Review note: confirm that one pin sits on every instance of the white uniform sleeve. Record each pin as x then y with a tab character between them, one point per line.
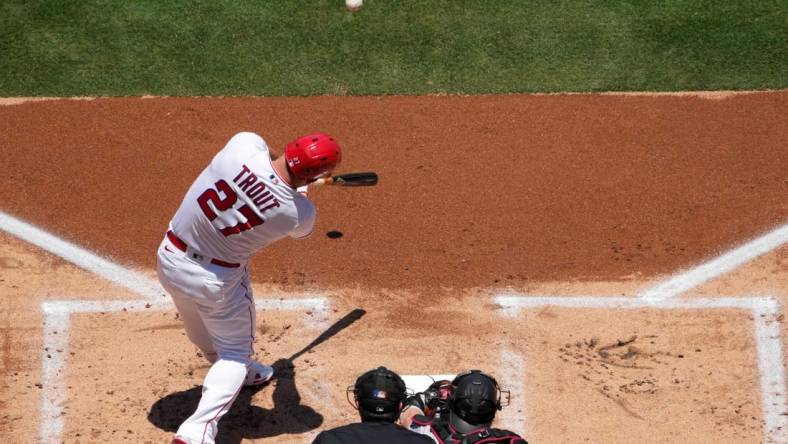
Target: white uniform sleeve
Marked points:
306	218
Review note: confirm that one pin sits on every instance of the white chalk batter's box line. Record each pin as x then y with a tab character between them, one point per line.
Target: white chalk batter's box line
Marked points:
767	331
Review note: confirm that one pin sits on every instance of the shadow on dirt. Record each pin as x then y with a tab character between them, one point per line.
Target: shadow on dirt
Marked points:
246	421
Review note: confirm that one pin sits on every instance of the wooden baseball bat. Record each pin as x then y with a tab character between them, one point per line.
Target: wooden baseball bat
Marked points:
366	179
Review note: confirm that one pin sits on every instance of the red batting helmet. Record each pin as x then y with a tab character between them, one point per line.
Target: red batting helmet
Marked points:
310	157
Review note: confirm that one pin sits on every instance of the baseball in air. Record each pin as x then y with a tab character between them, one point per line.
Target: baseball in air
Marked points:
353	5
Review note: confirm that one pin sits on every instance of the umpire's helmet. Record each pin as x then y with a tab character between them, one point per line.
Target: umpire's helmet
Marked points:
474	402
379	394
312	156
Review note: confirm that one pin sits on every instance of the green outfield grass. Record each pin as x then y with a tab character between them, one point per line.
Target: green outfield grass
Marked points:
299	47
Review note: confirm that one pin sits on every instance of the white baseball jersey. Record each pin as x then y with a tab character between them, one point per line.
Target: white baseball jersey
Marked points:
239	205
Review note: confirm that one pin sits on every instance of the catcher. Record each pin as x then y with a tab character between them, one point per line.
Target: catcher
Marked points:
460	411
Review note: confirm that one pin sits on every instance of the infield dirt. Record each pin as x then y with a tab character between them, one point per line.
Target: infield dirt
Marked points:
549	195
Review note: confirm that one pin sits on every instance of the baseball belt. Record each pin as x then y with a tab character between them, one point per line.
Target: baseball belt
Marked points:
181	245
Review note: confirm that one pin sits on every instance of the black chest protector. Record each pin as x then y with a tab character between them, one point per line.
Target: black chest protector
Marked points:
440	429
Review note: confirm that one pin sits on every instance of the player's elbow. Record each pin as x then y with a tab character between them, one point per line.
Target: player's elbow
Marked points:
301	236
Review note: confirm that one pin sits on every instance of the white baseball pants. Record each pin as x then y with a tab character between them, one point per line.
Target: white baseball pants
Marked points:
216	307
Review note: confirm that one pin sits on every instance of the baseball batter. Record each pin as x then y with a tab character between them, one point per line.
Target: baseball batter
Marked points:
243	201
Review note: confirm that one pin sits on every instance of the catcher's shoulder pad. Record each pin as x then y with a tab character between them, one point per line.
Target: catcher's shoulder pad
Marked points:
492	435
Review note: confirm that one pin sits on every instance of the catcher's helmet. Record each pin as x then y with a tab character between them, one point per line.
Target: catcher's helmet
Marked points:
379	394
474	402
312	156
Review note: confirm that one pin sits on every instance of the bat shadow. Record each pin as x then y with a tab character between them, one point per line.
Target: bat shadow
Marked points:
244	420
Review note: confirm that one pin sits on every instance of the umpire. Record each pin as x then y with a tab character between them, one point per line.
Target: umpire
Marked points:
379	395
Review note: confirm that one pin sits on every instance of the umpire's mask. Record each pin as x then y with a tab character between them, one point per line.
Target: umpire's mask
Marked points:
380	394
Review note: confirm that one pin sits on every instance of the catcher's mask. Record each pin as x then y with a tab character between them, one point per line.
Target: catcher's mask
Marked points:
313	156
436	397
379	394
475	400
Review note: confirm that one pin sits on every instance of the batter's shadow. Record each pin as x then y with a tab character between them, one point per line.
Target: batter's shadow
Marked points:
244	420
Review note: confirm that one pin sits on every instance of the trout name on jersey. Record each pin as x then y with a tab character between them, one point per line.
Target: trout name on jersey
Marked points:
255	190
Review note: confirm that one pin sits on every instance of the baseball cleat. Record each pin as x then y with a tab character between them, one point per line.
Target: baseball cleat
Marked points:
177	440
258	374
